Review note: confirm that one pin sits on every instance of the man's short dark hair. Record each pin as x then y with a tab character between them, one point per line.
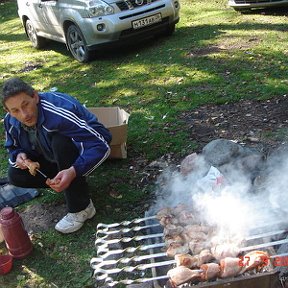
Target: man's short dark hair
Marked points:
15	86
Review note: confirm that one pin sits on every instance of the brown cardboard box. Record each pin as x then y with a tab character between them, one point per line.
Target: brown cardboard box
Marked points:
116	120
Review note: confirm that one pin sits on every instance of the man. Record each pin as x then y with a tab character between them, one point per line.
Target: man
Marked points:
64	140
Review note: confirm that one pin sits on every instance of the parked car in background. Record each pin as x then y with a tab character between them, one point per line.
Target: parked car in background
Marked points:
242	5
87	25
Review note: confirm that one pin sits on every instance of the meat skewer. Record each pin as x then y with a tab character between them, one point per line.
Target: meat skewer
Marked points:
187	260
210	271
32	166
229	267
254	260
177	248
181	274
190	261
222	251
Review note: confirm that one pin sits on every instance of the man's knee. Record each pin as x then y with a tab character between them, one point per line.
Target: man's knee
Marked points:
16	177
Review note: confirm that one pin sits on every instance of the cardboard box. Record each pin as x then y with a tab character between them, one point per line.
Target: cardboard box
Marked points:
116	120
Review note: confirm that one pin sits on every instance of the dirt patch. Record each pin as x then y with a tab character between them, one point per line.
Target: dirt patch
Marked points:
41	217
229	44
262	124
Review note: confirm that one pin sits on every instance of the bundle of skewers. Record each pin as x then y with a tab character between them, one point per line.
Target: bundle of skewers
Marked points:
202	256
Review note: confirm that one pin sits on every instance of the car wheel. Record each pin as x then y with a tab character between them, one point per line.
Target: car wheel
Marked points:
76	44
37	42
170	30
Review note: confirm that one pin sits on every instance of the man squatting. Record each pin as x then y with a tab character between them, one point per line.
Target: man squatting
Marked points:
63	137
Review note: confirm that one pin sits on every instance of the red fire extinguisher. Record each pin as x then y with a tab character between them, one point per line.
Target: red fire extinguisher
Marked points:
16	237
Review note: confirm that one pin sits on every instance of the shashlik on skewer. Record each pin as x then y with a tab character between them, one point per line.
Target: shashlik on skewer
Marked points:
181	274
210	271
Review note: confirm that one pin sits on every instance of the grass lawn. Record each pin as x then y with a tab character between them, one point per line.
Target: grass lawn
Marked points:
216	55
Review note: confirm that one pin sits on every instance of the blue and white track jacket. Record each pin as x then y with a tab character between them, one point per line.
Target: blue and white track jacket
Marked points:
63	114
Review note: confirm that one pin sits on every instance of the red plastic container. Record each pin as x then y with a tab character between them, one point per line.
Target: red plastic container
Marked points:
6	263
16	237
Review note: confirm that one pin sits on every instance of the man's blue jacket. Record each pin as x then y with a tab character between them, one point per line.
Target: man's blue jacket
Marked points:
63	114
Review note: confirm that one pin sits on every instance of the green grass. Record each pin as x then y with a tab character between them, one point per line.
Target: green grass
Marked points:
215	56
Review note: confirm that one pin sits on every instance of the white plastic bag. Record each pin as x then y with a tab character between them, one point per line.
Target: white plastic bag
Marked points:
212	181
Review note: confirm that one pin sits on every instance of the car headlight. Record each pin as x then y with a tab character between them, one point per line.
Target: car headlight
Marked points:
99	8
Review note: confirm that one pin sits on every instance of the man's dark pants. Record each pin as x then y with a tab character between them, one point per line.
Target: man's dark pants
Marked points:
64	154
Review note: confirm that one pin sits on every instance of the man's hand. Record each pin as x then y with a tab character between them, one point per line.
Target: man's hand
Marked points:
62	180
20	161
24	163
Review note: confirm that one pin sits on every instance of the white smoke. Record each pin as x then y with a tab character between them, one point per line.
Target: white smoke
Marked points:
235	207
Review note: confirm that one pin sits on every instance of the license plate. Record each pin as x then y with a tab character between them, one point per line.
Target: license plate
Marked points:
146	21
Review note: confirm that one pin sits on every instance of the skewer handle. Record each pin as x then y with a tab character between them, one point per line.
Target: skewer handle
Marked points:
126	239
106	231
103	251
125	223
99	263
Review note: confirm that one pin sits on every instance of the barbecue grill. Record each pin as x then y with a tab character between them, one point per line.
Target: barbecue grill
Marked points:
133	252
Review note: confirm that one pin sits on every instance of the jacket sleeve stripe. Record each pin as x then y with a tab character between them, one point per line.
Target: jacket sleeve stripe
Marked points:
71	117
99	163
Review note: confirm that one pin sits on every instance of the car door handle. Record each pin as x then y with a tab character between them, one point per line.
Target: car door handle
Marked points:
27	4
40	6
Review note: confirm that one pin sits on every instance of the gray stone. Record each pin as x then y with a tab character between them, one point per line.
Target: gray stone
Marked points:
221	151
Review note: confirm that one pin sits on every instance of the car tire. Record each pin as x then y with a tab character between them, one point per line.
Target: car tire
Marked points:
77	44
37	42
170	30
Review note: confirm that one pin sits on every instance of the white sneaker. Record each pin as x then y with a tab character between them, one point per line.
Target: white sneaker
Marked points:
74	221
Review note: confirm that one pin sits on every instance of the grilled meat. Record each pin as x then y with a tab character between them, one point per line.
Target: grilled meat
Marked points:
229	267
187	260
205	256
254	260
185	217
32	166
193	229
177	248
196	246
210	271
179	215
172	230
182	274
190	261
222	251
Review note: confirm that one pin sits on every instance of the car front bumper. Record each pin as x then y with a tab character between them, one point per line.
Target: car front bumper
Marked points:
256	3
118	27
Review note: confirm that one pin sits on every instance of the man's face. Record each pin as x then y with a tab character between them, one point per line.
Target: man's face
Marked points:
24	108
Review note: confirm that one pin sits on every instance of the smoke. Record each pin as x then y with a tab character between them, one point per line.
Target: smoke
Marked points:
236	201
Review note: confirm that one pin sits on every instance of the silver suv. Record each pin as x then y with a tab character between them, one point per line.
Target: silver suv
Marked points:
86	25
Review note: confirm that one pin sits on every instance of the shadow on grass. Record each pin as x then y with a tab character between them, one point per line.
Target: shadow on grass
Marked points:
41	270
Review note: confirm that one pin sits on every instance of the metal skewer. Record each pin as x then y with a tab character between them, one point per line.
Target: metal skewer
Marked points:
104	272
267	234
106	231
125	223
41	173
37	170
104	252
103	240
126	239
264	245
98	262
